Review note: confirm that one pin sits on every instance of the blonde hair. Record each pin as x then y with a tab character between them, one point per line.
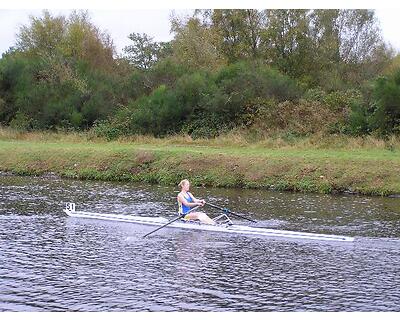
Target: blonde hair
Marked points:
183	182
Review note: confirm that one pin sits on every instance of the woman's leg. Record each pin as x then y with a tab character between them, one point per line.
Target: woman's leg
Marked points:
200	216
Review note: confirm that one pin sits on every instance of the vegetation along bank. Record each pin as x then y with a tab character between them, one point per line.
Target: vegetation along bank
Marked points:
304	100
307	165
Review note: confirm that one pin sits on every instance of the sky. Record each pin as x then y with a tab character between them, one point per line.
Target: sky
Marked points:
117	23
153	18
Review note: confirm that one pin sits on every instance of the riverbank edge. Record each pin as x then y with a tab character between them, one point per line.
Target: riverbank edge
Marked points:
167	165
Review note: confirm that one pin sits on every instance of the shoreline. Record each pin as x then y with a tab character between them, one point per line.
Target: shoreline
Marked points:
361	172
52	175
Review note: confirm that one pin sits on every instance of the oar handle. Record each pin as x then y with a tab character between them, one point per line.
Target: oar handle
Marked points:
230	212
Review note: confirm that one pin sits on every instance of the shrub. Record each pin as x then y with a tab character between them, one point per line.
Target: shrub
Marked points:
386	105
205	126
106	129
315	94
167	72
157	114
298	118
358	123
255	79
22	122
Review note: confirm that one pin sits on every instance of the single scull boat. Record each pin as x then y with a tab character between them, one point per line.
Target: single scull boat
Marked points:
225	226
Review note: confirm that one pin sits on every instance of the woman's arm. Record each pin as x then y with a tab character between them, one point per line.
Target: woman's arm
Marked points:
182	200
198	201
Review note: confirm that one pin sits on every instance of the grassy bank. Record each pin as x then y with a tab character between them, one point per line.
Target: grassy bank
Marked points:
336	164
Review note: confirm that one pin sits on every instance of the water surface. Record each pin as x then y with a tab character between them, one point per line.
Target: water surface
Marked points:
50	262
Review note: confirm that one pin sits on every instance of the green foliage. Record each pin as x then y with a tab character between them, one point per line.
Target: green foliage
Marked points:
43	36
157	114
2	105
255	79
344	106
144	52
165	110
107	129
165	72
295	72
348	48
300	118
287	41
196	45
315	94
358	123
205	104
22	122
73	37
386	116
316	112
239	32
62	75
52	99
205	125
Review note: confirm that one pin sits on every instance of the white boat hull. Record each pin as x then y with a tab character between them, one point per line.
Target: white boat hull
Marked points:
237	229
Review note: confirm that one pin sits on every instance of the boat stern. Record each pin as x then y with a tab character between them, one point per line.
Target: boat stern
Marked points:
69	207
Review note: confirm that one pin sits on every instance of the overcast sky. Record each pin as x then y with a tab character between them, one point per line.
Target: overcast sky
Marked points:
119	23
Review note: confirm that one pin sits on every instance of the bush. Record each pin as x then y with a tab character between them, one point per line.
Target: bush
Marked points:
22	122
358	123
203	104
106	129
255	79
295	118
2	108
157	114
386	105
315	94
57	92
205	126
344	105
165	72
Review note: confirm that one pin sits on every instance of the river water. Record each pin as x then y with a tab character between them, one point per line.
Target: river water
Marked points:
50	262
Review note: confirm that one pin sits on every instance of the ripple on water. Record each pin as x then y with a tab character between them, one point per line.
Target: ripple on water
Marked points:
53	263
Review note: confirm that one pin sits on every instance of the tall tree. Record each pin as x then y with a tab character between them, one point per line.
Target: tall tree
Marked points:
348	43
195	44
286	41
240	32
84	41
74	37
144	52
43	35
62	73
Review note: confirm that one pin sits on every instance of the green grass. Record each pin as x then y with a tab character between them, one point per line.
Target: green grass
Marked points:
360	166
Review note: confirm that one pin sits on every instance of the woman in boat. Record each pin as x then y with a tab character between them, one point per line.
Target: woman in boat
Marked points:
186	201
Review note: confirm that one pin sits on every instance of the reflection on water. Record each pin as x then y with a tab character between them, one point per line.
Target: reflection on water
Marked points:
50	262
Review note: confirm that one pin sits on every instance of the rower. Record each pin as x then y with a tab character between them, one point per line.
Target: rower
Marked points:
186	201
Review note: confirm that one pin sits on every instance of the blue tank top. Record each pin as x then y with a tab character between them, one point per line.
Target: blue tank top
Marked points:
182	208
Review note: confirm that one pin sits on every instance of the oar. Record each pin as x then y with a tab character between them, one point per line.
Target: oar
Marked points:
230	212
173	220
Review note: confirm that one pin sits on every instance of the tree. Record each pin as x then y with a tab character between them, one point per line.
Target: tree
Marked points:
240	32
286	41
144	52
348	43
61	74
195	45
83	41
76	38
393	65
386	95
43	36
